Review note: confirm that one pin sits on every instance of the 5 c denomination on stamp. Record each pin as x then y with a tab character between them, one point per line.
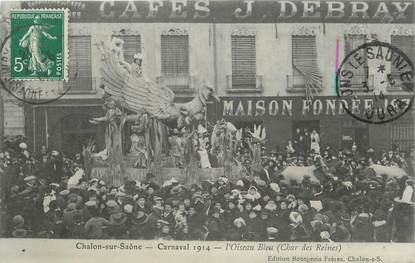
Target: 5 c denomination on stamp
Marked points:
39	44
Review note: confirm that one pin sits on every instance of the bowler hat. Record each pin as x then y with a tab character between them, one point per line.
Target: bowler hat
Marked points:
140	218
118	218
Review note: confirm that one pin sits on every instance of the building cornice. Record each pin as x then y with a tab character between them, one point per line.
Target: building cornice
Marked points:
357	30
243	31
175	32
304	31
402	31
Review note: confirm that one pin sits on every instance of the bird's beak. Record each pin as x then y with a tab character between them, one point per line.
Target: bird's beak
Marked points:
216	98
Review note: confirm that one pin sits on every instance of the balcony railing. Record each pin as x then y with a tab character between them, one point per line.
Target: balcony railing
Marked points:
244	83
362	83
297	83
177	83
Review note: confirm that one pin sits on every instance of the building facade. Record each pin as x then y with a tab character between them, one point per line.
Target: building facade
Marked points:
256	68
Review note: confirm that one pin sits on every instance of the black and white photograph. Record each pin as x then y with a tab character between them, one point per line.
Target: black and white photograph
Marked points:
257	121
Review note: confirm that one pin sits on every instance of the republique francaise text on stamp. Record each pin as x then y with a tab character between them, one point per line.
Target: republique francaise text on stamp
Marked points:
39	44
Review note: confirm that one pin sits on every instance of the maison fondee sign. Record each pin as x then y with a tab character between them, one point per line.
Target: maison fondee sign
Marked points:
235	11
298	107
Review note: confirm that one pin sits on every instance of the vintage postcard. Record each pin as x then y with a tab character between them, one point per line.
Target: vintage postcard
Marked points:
207	131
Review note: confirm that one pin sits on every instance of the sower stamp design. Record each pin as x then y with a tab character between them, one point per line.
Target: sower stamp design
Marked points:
38	44
395	72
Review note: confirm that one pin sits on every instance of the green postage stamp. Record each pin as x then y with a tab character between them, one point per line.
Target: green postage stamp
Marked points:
39	44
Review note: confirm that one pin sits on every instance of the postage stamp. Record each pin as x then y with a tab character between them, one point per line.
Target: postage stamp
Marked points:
394	71
39	44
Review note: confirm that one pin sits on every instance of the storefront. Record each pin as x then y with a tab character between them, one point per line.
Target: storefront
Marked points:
283	115
64	125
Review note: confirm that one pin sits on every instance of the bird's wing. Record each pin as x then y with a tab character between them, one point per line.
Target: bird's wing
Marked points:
142	96
137	94
112	74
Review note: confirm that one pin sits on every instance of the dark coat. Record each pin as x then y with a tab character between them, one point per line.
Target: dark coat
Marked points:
235	234
216	229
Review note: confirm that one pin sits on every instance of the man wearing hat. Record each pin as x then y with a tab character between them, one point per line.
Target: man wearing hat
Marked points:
264	173
26	194
237	230
141	226
69	213
96	225
195	221
118	229
150	181
272	234
165	230
254	224
215	225
112	207
54	167
141	203
168	214
30	185
19	229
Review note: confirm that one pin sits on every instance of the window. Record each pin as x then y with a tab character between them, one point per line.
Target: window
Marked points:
132	46
175	55
14	118
355	132
305	67
402	135
80	75
406	44
175	61
243	62
352	42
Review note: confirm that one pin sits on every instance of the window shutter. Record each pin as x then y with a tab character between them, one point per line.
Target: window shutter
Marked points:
243	62
406	44
352	42
305	66
304	52
80	75
132	46
175	55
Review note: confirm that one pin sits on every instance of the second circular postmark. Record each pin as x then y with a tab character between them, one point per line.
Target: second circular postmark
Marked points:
380	75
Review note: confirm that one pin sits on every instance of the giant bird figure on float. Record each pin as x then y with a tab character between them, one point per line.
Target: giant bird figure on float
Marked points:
129	97
140	96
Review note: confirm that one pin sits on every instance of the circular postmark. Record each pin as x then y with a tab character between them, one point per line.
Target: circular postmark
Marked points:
380	75
34	91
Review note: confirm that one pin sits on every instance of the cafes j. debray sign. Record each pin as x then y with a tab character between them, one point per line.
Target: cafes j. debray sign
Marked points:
235	11
299	107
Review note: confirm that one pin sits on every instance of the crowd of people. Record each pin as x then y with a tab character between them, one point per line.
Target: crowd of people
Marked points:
50	196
